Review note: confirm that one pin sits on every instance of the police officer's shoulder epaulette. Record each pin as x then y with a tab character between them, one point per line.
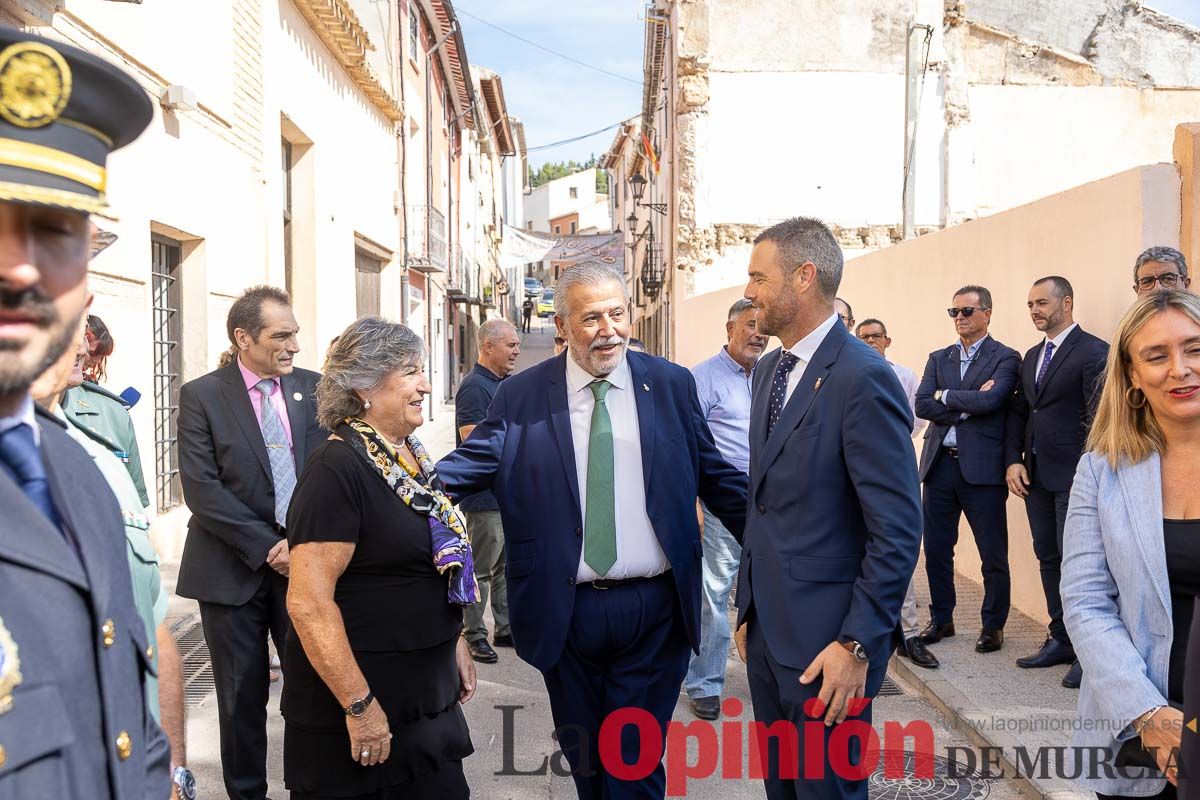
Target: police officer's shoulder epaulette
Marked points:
96	388
48	416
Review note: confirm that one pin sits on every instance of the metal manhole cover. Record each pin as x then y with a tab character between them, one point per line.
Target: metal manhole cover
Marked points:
949	781
197	668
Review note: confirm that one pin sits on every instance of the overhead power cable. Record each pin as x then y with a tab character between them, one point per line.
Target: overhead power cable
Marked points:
574	138
531	43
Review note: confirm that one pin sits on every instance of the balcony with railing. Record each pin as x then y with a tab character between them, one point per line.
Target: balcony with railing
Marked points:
426	247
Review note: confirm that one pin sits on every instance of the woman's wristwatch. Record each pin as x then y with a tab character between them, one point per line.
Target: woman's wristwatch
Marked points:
359	707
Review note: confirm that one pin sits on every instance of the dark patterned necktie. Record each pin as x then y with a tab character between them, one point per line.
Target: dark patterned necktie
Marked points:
779	388
1046	356
19	452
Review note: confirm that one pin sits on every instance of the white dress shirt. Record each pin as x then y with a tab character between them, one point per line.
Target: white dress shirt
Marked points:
25	416
910	382
804	350
638	552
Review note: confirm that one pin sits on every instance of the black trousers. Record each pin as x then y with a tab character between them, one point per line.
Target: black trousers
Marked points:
946	497
237	643
779	696
626	649
1047	513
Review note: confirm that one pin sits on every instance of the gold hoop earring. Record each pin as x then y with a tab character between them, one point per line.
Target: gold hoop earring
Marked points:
1129	397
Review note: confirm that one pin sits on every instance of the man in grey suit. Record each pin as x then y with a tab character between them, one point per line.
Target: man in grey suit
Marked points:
73	650
245	430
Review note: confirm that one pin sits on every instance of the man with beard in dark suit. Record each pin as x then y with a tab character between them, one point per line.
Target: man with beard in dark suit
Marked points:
1048	420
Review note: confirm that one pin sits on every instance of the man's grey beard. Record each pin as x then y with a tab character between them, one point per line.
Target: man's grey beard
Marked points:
16	379
592	364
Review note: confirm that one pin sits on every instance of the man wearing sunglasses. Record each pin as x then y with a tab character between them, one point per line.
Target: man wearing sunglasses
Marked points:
963	395
1160	268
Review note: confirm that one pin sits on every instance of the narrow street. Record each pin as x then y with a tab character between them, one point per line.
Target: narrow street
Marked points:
511	725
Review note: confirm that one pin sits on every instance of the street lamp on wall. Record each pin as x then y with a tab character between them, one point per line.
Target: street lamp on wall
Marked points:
638	185
652	269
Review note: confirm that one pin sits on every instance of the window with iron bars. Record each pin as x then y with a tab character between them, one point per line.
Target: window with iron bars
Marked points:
165	257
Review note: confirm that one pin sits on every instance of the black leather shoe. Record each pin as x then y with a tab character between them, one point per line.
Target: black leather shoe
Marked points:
502	641
915	651
989	641
706	707
482	652
1073	677
934	633
1052	653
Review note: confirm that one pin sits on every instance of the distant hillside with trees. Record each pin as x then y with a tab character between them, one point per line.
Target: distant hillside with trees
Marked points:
560	169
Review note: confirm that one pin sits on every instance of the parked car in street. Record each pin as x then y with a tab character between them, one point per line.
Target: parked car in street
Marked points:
533	288
545	305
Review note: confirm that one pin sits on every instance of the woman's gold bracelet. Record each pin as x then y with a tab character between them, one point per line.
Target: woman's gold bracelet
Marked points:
1141	722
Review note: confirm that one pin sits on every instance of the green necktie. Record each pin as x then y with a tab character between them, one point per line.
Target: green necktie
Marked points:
600	524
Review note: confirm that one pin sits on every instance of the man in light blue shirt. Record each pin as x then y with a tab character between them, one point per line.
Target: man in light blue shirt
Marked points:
723	383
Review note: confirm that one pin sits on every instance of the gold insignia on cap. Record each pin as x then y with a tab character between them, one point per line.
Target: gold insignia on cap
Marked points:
10	668
35	84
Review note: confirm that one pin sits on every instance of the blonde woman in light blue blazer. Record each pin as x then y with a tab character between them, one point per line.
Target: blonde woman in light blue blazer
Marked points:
1131	555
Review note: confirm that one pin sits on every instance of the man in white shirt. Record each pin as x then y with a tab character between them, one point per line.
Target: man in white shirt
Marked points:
596	458
874	333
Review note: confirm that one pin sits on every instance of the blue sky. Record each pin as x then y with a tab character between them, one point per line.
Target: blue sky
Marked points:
557	99
1186	10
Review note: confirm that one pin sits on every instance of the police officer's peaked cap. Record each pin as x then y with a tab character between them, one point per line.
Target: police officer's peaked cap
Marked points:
62	111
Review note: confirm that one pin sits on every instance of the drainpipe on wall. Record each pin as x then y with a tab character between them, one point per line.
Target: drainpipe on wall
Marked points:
402	167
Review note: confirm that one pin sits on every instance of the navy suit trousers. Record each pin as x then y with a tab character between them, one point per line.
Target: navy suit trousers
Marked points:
627	648
1047	512
946	497
779	696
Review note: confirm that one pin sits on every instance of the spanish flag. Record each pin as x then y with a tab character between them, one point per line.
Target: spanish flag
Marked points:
650	154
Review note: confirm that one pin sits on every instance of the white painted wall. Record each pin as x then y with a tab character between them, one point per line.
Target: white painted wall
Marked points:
210	177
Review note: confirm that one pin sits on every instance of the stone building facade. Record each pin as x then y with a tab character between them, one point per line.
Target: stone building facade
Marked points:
318	145
764	109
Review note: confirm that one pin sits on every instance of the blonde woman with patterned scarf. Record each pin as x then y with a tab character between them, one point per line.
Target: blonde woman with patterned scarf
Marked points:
381	568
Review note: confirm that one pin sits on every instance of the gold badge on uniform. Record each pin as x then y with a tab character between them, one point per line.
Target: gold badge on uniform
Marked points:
10	668
35	84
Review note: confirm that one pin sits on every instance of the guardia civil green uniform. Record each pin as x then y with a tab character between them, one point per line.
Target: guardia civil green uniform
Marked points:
148	593
104	417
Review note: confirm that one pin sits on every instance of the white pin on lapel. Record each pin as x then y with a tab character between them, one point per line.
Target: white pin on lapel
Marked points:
297	397
644	386
817	385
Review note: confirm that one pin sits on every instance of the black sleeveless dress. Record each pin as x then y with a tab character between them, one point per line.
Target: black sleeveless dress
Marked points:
403	634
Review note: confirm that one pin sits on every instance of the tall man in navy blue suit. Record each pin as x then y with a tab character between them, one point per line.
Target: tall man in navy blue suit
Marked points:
1049	416
596	458
834	522
964	395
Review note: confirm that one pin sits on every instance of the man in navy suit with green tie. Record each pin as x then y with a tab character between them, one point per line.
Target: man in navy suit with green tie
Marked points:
596	458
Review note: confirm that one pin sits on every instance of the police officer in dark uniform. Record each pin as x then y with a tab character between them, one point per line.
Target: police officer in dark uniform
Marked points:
73	650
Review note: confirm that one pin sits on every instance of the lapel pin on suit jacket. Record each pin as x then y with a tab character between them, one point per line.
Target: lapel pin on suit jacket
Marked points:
817	385
644	386
297	397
